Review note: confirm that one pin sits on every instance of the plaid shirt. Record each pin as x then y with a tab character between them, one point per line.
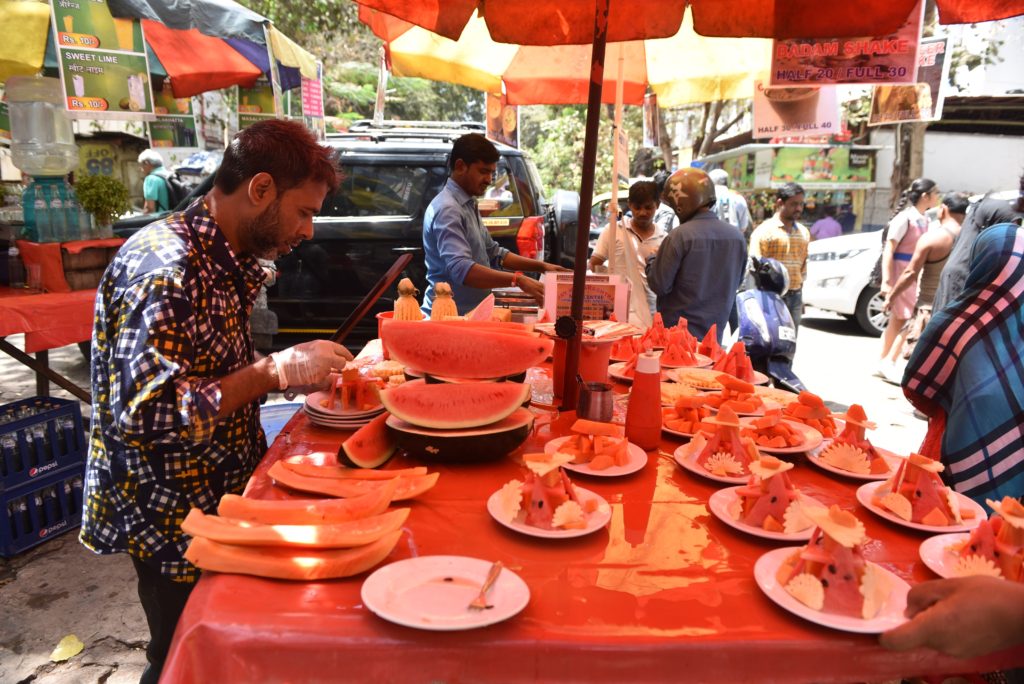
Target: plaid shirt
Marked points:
773	240
172	318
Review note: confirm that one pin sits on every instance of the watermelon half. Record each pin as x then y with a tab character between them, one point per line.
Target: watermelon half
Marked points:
447	406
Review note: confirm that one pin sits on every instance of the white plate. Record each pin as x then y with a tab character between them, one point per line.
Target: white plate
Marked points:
615	372
433	593
676	433
814	456
595	521
865	491
812	438
725	503
313	404
637	460
890	616
935	553
688	461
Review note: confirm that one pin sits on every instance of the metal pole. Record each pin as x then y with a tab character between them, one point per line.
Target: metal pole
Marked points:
275	76
572	354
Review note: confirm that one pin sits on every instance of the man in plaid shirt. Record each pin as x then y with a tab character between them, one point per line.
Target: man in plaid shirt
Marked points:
175	378
784	238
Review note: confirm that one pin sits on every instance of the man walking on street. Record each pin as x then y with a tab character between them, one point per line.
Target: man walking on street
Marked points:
730	206
782	237
701	263
155	196
175	378
457	248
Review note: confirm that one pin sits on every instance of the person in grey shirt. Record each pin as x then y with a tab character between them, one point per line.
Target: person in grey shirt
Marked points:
701	263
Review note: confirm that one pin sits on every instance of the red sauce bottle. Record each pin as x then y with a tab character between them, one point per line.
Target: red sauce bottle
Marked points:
643	416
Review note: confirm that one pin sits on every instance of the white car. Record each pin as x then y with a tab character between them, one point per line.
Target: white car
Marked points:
838	275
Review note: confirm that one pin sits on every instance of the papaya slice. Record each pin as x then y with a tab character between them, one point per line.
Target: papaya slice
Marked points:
408	487
602	462
308	511
591	427
330	536
341	472
290	564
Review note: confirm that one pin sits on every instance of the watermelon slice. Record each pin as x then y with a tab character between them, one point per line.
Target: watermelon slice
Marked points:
448	406
370	447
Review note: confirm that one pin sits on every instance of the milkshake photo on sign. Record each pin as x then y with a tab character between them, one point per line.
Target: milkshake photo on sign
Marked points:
794	111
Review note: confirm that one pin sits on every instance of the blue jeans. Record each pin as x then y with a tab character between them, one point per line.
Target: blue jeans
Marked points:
795	303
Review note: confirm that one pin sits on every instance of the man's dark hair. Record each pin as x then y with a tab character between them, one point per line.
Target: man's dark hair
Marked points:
788	190
956	202
643	192
830	210
659	180
284	149
471	148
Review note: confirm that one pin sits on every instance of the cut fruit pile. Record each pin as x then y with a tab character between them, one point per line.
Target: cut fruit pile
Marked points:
599	445
996	545
724	452
736	394
736	363
307	539
626	348
809	409
851	450
680	349
772	431
709	346
450	406
670	391
687	415
915	493
547	498
829	573
656	336
357	392
769	500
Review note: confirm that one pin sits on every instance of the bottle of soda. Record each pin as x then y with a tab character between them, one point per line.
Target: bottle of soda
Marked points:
12	518
51	506
36	512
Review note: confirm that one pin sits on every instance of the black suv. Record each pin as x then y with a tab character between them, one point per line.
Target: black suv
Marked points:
391	172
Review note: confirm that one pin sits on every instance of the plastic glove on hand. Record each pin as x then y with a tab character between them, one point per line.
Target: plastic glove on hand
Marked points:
309	363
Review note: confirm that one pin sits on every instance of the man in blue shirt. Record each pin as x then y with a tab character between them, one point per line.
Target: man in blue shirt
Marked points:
154	186
457	248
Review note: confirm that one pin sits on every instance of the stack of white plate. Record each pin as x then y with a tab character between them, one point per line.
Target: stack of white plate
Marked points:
349	419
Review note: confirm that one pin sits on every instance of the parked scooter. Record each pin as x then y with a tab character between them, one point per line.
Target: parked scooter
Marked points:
766	326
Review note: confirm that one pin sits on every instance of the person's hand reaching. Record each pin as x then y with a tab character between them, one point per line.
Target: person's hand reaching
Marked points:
309	363
532	288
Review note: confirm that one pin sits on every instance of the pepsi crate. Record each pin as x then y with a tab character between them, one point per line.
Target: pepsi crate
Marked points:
41	509
38	436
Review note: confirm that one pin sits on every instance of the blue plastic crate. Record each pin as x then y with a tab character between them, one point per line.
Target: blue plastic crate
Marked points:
39	436
41	509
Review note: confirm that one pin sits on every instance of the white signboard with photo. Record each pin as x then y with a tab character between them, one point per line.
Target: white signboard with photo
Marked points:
795	111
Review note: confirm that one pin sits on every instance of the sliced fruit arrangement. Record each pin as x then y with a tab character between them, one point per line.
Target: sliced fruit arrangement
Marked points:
334	481
736	394
851	449
448	406
773	431
697	378
996	545
547	496
687	415
724	452
670	391
357	392
809	409
600	445
709	346
769	500
656	336
736	363
916	493
626	348
680	349
829	573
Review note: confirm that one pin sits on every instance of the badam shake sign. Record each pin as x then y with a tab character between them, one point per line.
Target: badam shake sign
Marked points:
866	60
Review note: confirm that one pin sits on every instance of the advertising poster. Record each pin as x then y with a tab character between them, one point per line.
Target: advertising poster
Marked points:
502	120
652	134
921	101
824	168
5	124
741	172
795	111
255	103
175	124
103	64
865	60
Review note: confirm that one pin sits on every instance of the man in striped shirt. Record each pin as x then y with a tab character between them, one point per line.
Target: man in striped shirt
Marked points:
784	238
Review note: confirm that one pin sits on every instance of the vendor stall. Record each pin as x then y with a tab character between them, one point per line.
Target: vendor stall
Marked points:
665	591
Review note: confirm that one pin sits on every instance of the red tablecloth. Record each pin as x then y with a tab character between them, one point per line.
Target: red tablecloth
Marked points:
666	592
47	255
47	320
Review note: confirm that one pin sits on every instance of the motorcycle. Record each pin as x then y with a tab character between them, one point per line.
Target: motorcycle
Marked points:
765	324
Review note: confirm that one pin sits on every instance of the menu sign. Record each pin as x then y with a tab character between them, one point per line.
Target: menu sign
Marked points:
256	103
865	60
175	124
502	120
603	295
824	168
795	111
312	92
103	64
921	101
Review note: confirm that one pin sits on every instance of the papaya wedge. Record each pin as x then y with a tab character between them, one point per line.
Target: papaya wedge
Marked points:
330	536
308	511
290	564
341	472
408	487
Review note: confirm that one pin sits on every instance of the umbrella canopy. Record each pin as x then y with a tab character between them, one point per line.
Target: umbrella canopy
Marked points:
681	69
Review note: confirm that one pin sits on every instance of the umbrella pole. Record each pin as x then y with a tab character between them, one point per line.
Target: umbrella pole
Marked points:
572	354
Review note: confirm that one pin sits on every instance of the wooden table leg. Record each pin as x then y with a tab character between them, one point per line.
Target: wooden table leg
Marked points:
42	382
54	377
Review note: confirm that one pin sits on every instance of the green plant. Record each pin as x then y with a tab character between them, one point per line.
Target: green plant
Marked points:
104	197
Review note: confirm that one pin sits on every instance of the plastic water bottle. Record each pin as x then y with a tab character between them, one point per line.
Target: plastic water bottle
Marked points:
42	213
15	269
58	223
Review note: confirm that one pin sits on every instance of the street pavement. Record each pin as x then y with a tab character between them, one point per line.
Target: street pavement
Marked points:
61	588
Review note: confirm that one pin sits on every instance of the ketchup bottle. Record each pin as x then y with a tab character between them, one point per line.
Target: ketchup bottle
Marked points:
643	416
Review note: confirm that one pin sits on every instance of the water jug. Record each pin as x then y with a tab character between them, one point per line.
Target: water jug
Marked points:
42	143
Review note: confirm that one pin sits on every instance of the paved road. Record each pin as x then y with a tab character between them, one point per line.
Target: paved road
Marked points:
60	588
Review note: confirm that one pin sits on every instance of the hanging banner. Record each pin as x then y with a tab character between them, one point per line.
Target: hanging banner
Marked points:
921	101
794	111
865	60
175	124
256	103
5	124
652	134
312	101
102	60
502	120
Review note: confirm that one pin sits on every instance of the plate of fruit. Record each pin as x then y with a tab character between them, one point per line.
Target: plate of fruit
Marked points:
599	449
773	434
